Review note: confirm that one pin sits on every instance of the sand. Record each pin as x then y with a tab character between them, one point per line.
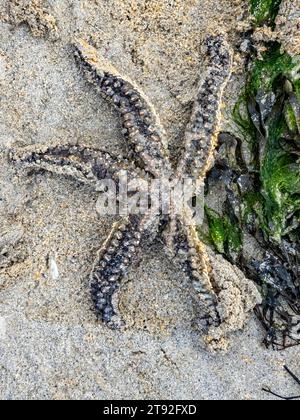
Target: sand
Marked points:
51	347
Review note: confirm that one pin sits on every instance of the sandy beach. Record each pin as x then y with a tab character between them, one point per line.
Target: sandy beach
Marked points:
51	346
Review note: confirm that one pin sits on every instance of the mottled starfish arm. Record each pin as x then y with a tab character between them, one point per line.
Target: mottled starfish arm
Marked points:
195	262
142	129
112	263
84	164
223	295
202	132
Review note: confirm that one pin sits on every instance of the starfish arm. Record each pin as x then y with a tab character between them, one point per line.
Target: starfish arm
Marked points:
202	131
112	262
192	255
84	164
223	295
142	129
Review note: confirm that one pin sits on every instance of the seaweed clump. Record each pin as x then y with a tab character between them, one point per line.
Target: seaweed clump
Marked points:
257	180
295	378
265	11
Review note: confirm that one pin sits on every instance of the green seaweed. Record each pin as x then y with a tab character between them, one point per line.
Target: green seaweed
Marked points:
217	230
291	120
278	168
297	89
280	174
268	72
263	191
225	235
269	115
252	204
265	11
246	128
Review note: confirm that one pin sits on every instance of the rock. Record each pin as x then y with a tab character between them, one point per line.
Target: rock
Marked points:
287	31
288	26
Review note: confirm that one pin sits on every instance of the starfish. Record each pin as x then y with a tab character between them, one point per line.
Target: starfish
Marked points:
149	158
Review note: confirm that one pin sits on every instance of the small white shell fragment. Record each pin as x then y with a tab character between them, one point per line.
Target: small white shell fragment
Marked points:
54	272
